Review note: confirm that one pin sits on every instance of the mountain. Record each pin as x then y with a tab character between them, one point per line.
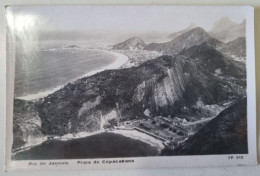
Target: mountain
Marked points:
226	30
176	34
191	38
164	86
236	47
130	44
168	86
225	134
210	59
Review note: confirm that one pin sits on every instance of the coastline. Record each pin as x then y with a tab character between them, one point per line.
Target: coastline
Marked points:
137	135
133	134
120	60
66	137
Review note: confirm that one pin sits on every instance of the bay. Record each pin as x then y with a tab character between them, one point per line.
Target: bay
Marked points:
104	145
53	66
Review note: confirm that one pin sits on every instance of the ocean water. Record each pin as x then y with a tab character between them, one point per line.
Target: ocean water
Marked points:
52	64
104	145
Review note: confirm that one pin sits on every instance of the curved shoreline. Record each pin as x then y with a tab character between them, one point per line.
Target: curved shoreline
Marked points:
137	135
120	60
133	134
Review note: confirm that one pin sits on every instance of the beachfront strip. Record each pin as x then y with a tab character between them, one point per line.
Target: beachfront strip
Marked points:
171	132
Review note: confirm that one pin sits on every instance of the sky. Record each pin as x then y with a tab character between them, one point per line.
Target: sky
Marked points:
118	20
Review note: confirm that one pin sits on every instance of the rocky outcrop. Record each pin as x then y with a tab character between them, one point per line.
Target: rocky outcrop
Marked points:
171	88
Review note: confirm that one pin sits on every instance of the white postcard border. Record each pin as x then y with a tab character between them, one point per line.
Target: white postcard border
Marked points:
147	162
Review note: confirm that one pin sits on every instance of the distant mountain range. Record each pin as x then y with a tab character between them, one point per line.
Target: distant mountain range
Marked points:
226	30
191	38
186	39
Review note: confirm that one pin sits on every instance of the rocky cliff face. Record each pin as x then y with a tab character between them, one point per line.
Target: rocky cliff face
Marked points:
134	43
225	134
27	129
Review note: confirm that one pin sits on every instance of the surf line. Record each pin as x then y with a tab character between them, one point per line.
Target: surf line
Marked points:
120	60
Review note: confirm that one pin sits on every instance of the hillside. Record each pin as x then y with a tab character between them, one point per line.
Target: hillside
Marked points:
236	47
225	134
191	38
134	43
163	85
211	59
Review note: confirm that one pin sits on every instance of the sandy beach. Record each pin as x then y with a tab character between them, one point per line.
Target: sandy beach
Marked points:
119	61
141	136
131	133
134	134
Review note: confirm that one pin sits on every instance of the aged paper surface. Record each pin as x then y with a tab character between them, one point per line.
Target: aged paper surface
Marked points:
97	87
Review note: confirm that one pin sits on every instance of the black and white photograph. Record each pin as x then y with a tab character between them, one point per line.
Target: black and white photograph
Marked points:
129	82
